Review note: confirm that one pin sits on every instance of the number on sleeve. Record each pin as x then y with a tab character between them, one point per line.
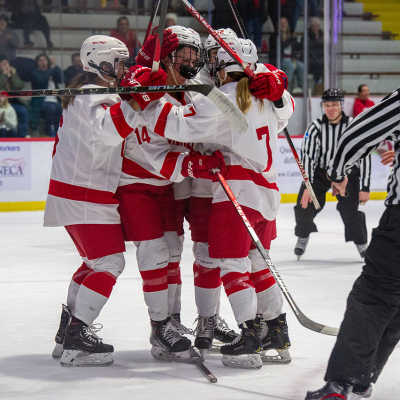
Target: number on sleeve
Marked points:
260	133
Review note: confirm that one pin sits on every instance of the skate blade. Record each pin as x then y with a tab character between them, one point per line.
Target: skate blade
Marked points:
245	361
164	355
77	358
283	357
366	395
57	352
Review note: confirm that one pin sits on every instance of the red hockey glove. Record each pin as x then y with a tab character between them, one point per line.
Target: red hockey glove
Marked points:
268	85
142	76
198	166
146	53
281	73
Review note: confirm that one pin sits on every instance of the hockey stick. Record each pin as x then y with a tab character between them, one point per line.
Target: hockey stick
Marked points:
285	131
235	116
305	321
152	18
197	360
161	25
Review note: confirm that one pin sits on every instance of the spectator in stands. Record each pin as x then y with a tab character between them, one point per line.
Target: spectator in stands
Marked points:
8	119
254	14
287	11
291	55
75	69
362	102
26	15
8	39
45	76
313	12
127	36
170	20
9	80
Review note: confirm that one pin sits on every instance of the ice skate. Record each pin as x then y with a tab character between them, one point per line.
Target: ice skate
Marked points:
362	249
274	335
333	390
222	332
83	348
64	320
360	393
167	341
301	246
243	352
204	333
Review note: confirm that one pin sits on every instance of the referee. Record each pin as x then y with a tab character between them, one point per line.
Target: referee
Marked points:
371	327
319	144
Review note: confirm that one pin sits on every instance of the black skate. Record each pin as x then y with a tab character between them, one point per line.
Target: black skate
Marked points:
83	348
222	331
333	390
64	321
204	333
275	336
168	342
360	392
301	246
247	344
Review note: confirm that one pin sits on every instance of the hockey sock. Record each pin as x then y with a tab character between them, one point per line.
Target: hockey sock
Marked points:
174	288
76	281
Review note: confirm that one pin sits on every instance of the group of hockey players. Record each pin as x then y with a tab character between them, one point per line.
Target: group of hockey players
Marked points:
132	167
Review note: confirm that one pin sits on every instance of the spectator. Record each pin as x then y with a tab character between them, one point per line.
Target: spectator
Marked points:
26	15
254	14
287	10
8	39
298	10
362	102
75	69
126	36
45	76
170	20
291	54
8	119
9	80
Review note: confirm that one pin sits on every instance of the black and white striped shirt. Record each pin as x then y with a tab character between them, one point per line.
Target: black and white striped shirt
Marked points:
367	130
319	144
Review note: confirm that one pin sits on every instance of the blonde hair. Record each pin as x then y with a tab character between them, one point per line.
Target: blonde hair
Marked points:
243	94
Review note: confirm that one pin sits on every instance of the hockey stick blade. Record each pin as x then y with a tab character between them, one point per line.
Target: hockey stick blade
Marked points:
234	115
198	361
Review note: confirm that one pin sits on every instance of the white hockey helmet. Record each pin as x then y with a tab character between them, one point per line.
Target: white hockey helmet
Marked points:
100	50
187	37
224	33
245	50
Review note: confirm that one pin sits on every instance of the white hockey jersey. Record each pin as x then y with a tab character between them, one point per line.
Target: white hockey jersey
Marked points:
249	156
87	159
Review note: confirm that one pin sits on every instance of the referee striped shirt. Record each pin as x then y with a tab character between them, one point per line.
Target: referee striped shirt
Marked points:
319	144
364	134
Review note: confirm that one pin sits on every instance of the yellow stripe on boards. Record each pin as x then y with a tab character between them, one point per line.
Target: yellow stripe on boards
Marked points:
292	198
22	206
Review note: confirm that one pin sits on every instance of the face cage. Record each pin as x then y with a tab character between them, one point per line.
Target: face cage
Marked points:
187	71
109	69
210	65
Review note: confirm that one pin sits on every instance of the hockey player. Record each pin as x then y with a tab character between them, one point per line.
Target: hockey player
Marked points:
147	204
252	178
85	172
319	144
371	327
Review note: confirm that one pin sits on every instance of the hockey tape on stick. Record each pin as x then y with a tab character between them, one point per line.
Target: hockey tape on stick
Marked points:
236	118
305	321
161	26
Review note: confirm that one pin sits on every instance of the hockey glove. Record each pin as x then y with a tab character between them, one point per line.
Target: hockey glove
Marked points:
268	85
146	53
142	76
198	166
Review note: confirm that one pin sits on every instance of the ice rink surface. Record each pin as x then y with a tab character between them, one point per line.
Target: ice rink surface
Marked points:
37	264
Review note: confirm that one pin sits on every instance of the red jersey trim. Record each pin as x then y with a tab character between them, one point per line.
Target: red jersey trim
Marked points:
131	168
169	164
159	129
79	193
119	121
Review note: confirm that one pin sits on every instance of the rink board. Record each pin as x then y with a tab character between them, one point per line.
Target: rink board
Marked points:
25	172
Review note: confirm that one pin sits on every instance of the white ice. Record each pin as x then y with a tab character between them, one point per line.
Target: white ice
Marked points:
37	263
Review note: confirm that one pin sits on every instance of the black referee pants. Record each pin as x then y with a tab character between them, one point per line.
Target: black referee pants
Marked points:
355	227
371	326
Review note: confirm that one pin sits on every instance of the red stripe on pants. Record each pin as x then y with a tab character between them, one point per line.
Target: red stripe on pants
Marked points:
235	282
262	280
100	282
155	280
174	273
207	278
81	273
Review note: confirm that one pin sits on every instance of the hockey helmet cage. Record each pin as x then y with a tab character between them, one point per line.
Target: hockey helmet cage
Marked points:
98	51
187	37
333	95
245	50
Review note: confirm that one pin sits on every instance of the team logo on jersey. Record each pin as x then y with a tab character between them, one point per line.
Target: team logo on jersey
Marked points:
190	168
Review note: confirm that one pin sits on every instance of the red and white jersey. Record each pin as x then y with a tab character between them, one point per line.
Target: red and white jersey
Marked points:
151	159
87	159
249	156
